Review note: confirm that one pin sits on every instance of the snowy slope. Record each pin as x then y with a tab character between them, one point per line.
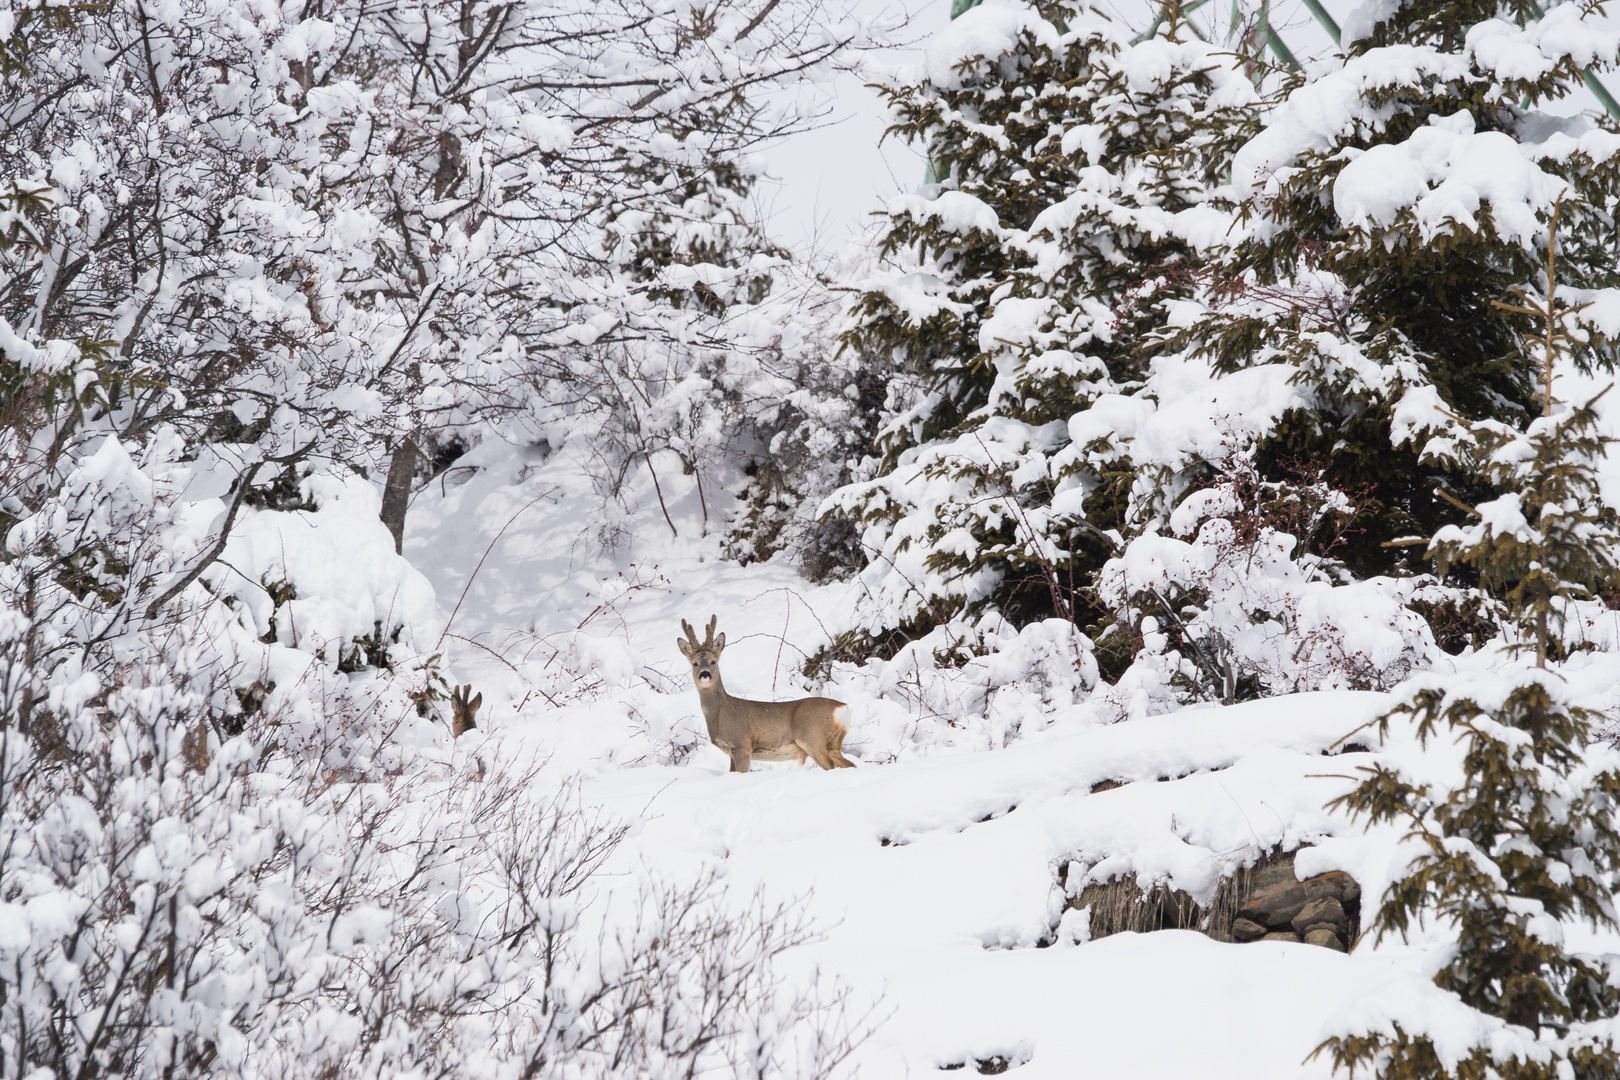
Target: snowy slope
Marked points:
944	921
932	871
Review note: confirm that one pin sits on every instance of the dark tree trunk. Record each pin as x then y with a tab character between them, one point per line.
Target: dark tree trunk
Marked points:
397	491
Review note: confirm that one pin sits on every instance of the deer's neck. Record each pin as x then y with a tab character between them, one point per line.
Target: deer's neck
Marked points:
713	700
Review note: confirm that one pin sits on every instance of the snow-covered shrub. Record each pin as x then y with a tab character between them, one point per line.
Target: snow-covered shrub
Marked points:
349	612
1232	607
965	686
251	913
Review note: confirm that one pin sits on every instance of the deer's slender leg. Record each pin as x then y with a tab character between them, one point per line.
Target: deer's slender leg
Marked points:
740	760
819	753
835	748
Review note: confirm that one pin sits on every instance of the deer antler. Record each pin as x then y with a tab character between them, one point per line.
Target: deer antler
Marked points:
708	638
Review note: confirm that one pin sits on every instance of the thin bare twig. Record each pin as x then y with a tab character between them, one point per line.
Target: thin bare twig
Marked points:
757	19
474	575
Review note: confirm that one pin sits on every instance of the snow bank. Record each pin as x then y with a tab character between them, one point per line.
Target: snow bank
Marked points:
939	876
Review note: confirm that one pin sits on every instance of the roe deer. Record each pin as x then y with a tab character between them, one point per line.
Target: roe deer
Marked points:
462	710
767	730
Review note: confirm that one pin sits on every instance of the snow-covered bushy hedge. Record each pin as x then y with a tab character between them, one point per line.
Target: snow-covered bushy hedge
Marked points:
235	839
965	686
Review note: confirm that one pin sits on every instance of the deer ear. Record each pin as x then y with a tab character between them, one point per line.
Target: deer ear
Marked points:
686	650
472	706
719	643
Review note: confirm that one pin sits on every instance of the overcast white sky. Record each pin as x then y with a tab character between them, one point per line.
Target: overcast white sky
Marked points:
826	182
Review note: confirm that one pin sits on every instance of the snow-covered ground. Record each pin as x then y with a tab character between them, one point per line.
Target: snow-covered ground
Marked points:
932	869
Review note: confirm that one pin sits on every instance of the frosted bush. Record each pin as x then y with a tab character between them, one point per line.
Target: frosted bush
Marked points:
224	857
965	686
279	569
1237	611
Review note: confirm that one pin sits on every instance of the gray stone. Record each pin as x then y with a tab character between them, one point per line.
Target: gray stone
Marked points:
1282	935
1244	930
1325	937
1277	909
1326	911
1273	876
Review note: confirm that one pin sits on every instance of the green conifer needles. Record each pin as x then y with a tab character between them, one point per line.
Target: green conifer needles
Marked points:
1524	844
1524	841
1079	173
1547	539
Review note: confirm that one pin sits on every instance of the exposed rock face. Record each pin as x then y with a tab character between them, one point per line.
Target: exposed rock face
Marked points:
1325	912
1120	905
1325	937
1277	909
1265	902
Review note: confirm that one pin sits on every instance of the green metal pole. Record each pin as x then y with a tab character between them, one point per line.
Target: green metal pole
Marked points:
1601	92
1275	41
1324	18
957	7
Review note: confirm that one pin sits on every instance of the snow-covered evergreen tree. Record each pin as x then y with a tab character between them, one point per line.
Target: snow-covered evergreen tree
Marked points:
1547	544
1020	300
1395	194
1528	839
1524	845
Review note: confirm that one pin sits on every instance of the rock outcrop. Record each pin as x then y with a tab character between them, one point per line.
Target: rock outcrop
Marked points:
1265	902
